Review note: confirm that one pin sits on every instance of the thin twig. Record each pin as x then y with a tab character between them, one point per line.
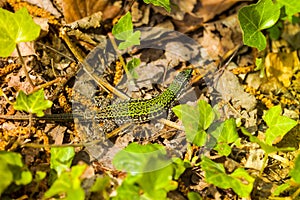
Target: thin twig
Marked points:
24	66
88	69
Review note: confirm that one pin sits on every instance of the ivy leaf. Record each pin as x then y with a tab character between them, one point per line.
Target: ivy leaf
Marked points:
131	65
123	30
32	103
15	28
295	172
256	17
162	3
267	148
12	170
278	125
291	7
135	158
240	181
225	133
69	183
6	176
61	158
195	120
194	196
149	170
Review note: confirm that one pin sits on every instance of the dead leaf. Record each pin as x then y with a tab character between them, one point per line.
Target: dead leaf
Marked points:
291	33
221	36
282	66
210	8
45	4
74	10
230	89
26	49
43	23
255	159
178	9
57	133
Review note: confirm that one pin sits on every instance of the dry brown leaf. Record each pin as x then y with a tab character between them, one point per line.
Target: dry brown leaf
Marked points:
2	3
210	8
282	66
26	49
255	159
76	9
221	36
230	89
45	4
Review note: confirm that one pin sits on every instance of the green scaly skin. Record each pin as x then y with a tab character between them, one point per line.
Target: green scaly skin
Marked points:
142	110
135	110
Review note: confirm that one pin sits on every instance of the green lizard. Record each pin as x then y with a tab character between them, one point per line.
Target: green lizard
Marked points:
134	110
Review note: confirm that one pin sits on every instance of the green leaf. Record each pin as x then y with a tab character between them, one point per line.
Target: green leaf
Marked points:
256	17
40	175
157	183
295	172
68	183
123	30
179	167
225	134
131	65
291	7
278	125
278	190
194	196
240	181
12	170
23	178
133	39
275	31
162	3
32	103
15	28
135	158
6	176
149	185
195	120
267	148
101	184
150	172
61	158
207	114
127	189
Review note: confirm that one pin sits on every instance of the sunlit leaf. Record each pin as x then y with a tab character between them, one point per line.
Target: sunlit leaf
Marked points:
6	176
291	7
15	28
163	3
278	125
135	158
195	119
12	170
240	181
123	31
33	103
225	133
131	65
295	172
61	158
68	183
267	148
256	17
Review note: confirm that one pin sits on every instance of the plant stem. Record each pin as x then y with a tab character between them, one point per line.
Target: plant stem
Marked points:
113	42
88	69
24	66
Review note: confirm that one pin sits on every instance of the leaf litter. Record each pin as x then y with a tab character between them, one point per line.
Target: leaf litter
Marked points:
219	37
